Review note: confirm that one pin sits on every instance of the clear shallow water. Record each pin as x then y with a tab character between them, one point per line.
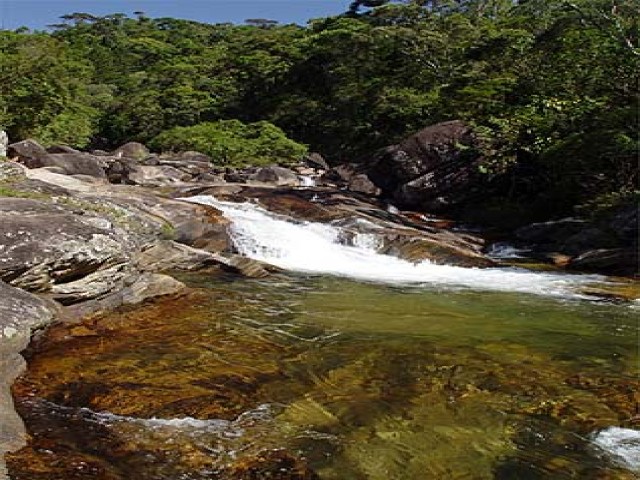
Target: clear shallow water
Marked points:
348	380
353	366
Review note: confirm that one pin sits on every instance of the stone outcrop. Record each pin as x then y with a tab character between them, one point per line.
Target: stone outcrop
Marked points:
607	244
20	313
432	170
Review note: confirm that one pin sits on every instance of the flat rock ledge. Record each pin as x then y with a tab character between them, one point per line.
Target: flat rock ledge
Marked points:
20	313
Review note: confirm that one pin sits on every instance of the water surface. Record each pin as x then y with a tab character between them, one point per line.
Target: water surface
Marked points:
305	376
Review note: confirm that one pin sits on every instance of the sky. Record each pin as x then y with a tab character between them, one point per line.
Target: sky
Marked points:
36	14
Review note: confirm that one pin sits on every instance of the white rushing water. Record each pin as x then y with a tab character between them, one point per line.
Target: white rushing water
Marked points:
622	445
316	248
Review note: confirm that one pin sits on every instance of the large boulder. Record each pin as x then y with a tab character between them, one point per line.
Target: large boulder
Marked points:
28	152
20	313
134	150
76	164
434	169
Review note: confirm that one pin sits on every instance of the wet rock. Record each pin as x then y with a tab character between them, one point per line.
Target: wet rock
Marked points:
616	261
168	256
20	313
27	152
245	266
133	150
151	285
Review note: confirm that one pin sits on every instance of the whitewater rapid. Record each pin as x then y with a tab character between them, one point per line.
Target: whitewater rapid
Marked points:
316	248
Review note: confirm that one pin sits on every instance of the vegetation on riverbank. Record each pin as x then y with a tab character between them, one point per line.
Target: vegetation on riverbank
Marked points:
551	86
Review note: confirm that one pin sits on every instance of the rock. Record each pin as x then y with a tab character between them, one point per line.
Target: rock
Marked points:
4	142
193	156
274	175
156	176
62	149
151	285
76	164
570	236
236	177
66	182
11	171
342	174
431	170
616	261
316	161
47	248
20	313
133	150
168	255
624	221
27	152
118	169
190	167
361	184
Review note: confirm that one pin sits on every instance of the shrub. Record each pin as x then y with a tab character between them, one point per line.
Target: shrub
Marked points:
233	143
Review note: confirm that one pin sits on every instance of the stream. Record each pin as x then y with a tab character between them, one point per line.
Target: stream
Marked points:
348	365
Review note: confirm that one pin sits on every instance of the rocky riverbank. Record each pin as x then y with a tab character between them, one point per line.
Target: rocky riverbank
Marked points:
83	233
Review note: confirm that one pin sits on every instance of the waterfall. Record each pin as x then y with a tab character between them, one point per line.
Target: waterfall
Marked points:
307	181
316	248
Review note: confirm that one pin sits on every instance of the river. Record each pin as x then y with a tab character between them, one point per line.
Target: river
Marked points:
348	365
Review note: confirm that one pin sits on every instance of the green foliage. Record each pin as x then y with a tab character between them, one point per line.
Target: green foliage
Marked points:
550	86
233	143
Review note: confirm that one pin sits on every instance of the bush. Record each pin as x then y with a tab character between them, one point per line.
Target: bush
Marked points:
233	143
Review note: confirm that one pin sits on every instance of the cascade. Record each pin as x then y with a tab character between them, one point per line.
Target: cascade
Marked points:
316	248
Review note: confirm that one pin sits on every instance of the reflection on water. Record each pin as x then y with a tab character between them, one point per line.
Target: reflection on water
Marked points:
301	378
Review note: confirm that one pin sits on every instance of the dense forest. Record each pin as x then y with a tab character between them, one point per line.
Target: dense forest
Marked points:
551	87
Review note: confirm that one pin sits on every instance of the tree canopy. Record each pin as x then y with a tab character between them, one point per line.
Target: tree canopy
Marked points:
551	85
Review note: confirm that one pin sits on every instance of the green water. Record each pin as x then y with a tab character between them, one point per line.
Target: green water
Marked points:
318	377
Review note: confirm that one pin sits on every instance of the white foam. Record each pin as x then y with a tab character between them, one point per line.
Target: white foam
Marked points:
502	250
316	248
622	445
307	181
